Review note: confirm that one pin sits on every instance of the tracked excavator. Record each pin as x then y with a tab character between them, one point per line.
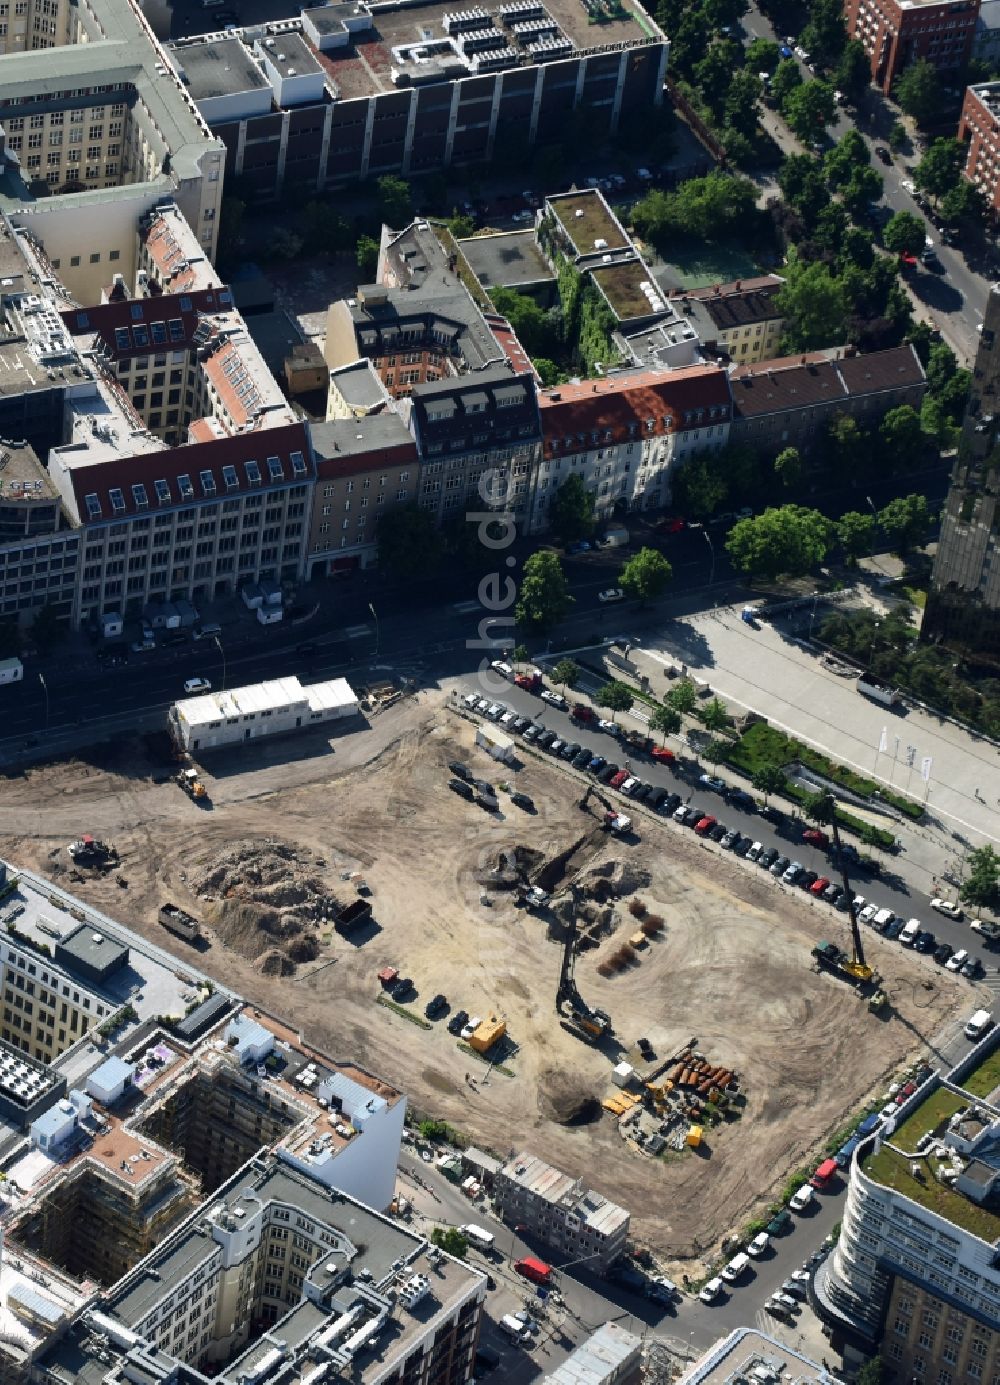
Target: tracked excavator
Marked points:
612	821
853	966
588	1024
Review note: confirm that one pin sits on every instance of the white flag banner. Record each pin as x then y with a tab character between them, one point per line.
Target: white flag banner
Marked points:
883	743
925	768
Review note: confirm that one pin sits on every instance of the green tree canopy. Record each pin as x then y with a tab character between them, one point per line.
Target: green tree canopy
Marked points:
544	597
395	201
616	696
571	513
855	533
940	168
768	779
852	73
409	543
862	190
964	202
813	304
918	92
714	715
366	255
763	55
904	234
790	539
785	80
905	521
788	466
803	186
534	327
566	673
739	109
848	155
982	887
715	207
825	36
646	575
700	487
451	1240
900	435
809	109
666	720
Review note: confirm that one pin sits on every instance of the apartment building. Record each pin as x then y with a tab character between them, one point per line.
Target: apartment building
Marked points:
479	440
364	470
572	1220
749	1354
739	320
897	33
625	435
979	130
963	605
338	96
354	391
789	402
915	1272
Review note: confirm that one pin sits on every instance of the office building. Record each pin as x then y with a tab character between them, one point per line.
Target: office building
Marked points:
916	1269
979	130
625	435
898	33
748	1354
575	1222
963	605
346	93
189	1184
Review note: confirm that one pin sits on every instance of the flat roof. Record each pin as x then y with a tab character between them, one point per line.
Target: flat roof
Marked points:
625	286
359	384
22	476
586	218
290	54
596	1360
506	259
275	695
163	1270
748	1354
93	947
216	66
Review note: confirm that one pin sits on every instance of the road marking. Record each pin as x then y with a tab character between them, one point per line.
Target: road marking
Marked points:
356	632
465	608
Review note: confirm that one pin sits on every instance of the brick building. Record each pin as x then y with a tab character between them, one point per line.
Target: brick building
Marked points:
979	130
897	33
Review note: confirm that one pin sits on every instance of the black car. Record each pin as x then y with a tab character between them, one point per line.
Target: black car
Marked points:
532	731
657	797
608	773
882	154
767	858
925	942
942	952
807	879
403	988
646	1049
544	739
458	1021
581	760
691	816
771	813
717	832
794	1288
484	786
436	1007
644	792
520	724
739	798
459	770
522	800
570	749
671	803
461	788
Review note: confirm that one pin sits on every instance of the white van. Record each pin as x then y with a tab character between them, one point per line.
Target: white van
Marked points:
799	1201
478	1236
514	1327
755	851
738	1265
910	930
981	1023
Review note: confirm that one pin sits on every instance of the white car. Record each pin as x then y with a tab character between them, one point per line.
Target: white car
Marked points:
909	186
612	594
760	1245
711	1291
628	786
495	711
554	698
471	1027
610	728
948	908
799	1201
197	685
868	913
957	960
504	669
141	646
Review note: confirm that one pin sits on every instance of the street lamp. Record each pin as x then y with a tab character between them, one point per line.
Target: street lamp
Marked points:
711	549
218	645
45	689
378	637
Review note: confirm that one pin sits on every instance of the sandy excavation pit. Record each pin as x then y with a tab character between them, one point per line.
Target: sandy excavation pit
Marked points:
730	965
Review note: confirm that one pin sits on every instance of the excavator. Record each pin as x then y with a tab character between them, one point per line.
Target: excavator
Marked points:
192	786
588	1024
613	821
853	966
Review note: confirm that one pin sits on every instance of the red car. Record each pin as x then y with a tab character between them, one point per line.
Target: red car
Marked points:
704	825
581	712
660	752
818	886
620	778
670	525
815	837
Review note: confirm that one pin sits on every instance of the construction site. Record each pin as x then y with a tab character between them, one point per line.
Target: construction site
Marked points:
665	1025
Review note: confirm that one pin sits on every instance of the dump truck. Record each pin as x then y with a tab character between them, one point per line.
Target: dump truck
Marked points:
192	785
357	912
182	924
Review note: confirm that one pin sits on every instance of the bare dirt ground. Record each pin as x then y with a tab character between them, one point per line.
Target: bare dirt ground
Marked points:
731	966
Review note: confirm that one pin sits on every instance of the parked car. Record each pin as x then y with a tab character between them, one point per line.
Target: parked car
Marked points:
794	1289
610	595
460	770
554	699
581	760
458	1021
760	1245
713	782
767	858
460	787
597	764
504	669
660	752
711	1291
780	866
693	816
943	953
436	1006
402	989
730	839
608	772
704	825
610	728
804	1198
532	732
815	837
656	798
818	886
777	1310
197	685
717	832
142	646
495	711
882	154
545	738
947	907
622	777
523	800
570	748
806	880
742	846
925	941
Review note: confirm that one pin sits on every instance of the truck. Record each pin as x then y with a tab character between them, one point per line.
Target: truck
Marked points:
357	912
618	823
478	1236
182	924
635	740
870	686
515	1329
192	785
534	1269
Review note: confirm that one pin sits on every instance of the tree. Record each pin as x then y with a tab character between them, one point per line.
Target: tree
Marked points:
367	256
534	327
872	1372
790	540
450	1240
683	697
548	372
566	672
47	628
763	55
846	444
666	720
715	752
862	191
571	514
803	186
544	597
813	304
460	224
905	520
700	487
898	138
646	575
940	168
788	466
848	155
395	201
739	108
825	35
715	207
785	80
900	435
769	779
904	234
520	654
809	109
616	696
853	73
964	202
918	92
715	716
855	533
409	544
982	888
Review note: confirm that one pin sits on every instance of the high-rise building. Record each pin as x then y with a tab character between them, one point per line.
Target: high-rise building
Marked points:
963	605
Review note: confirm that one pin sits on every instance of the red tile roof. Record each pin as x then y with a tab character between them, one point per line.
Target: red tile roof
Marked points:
166	322
619	408
191	461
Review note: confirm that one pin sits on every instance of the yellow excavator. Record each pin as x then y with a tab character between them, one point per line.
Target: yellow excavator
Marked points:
192	785
828	955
